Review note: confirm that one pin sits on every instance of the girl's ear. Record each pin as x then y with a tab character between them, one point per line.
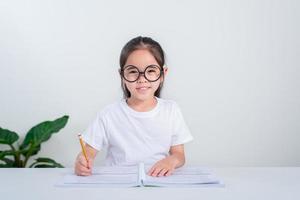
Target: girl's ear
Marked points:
165	70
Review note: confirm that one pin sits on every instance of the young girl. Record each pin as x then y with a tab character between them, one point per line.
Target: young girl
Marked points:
141	127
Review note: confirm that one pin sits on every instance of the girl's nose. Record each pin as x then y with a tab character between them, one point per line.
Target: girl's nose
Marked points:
142	78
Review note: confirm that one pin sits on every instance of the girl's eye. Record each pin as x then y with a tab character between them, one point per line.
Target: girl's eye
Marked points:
132	72
152	71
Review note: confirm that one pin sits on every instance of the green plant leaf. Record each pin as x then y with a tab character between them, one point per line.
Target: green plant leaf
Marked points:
43	131
44	166
48	160
8	162
7	136
44	162
6	153
34	151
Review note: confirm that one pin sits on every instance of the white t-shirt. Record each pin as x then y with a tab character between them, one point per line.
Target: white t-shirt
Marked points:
132	137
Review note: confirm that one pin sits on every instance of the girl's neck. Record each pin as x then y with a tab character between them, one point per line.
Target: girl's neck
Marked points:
140	105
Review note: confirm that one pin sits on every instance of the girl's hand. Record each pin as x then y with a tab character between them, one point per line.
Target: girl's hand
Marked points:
164	167
82	167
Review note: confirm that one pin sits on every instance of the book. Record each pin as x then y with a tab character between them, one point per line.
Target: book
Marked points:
136	176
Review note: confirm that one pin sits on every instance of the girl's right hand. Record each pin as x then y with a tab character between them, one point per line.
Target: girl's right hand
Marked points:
82	167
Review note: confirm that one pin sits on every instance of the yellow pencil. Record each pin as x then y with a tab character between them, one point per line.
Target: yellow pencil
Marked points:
83	147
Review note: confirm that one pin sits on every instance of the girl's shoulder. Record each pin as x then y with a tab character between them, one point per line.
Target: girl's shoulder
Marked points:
109	108
168	103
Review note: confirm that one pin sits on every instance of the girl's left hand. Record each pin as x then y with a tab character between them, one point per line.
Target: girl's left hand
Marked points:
164	167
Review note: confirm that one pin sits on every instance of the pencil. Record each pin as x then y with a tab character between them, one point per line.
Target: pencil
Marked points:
83	148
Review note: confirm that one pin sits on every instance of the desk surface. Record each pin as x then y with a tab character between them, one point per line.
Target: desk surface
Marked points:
240	183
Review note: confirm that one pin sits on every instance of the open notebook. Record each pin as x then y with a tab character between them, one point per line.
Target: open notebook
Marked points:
136	176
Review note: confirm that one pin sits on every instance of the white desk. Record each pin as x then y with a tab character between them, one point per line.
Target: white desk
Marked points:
240	183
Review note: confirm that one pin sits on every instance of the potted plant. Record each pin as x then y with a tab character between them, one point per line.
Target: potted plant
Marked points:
18	154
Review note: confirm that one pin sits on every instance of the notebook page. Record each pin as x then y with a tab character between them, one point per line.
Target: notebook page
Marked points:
193	170
184	176
186	170
104	176
100	179
182	179
115	170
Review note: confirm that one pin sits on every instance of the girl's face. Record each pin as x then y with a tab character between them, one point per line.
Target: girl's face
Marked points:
142	89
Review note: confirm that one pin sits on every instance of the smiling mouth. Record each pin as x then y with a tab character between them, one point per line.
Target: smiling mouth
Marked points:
142	88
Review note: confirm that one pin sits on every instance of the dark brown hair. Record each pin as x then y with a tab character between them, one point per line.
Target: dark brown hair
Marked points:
142	43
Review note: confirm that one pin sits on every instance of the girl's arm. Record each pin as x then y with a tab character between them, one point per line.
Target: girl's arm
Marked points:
177	152
166	166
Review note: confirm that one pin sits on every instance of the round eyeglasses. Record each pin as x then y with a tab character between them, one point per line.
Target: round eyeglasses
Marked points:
131	73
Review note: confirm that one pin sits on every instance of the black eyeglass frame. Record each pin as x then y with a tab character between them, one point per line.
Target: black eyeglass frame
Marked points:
143	73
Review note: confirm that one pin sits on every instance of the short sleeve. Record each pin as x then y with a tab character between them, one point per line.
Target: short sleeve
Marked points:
95	135
181	133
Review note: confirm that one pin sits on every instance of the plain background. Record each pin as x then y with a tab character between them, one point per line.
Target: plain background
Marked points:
233	69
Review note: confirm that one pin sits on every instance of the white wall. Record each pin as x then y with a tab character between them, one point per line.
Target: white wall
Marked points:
234	70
